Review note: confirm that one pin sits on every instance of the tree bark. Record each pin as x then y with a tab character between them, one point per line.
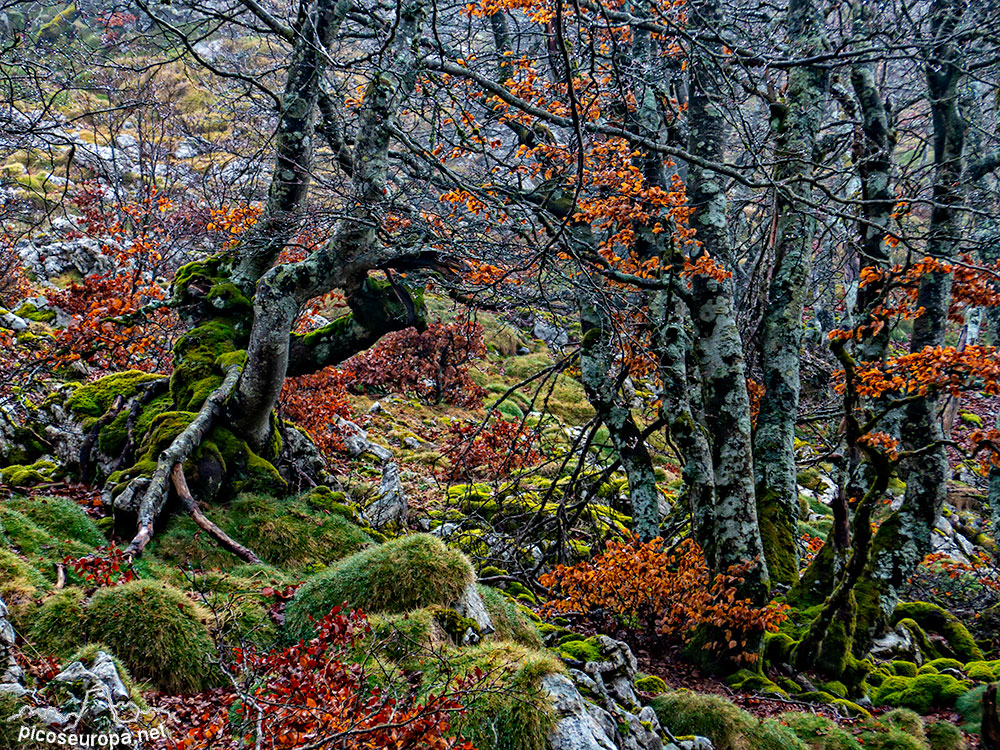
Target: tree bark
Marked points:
796	122
717	346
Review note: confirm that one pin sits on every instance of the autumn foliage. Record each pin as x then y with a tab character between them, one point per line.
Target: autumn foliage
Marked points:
646	587
314	694
490	451
431	365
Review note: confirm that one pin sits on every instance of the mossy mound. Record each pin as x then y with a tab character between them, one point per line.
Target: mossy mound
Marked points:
19	585
920	693
57	629
906	721
42	471
684	713
285	533
511	621
747	681
819	732
156	632
19	533
944	736
404	574
772	735
507	708
62	518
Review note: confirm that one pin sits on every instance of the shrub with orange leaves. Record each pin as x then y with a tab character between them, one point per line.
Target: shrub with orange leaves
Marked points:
314	694
669	593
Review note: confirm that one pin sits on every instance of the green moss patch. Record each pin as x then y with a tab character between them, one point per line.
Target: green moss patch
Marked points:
920	693
57	629
62	518
156	632
933	618
711	716
285	533
404	574
511	621
95	399
507	709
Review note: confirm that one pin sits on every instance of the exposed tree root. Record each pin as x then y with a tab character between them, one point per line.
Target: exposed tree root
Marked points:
184	493
156	492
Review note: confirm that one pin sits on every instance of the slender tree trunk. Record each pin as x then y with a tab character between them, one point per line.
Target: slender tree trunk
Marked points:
796	123
718	348
903	540
602	373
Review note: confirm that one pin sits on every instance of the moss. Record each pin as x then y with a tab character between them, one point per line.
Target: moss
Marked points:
510	620
778	647
779	535
920	693
942	735
772	735
40	472
828	699
29	311
157	633
711	716
403	574
970	708
887	737
942	664
933	618
652	684
506	707
62	518
408	638
904	668
747	681
980	671
95	399
819	732
905	720
19	584
57	629
585	650
285	533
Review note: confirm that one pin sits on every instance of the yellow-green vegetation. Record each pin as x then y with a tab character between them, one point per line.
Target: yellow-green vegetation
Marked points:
920	693
157	632
62	518
41	471
511	621
711	716
819	732
932	618
944	736
508	709
58	628
407	573
286	533
649	683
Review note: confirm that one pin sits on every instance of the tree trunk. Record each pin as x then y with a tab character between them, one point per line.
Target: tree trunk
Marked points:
718	349
796	123
903	540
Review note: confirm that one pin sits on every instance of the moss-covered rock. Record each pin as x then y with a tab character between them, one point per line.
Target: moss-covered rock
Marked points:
408	573
942	735
96	398
650	683
42	471
905	720
933	618
920	693
156	631
772	735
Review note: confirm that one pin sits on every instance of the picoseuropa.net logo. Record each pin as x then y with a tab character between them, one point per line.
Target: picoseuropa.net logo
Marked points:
98	724
126	737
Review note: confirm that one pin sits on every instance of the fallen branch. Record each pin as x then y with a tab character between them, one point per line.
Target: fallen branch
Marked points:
184	493
155	497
